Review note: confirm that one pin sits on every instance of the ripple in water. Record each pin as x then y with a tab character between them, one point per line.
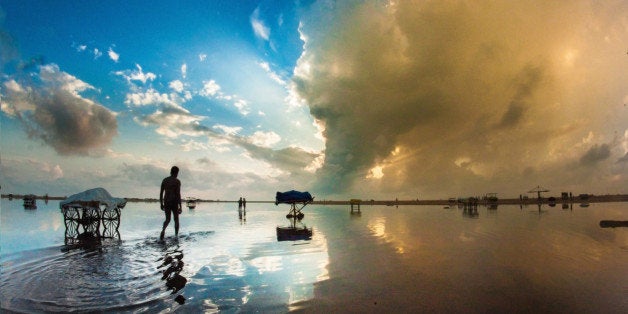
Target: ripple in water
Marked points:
121	276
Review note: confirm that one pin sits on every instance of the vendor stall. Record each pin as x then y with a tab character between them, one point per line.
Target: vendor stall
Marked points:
297	201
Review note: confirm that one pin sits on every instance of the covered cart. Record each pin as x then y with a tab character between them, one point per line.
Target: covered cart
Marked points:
84	214
297	201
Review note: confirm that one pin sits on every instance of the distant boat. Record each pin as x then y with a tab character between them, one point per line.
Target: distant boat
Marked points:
191	203
30	201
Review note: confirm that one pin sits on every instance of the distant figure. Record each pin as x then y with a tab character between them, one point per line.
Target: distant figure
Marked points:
170	200
244	204
240	203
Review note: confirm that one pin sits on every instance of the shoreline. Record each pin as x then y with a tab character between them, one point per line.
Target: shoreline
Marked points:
506	201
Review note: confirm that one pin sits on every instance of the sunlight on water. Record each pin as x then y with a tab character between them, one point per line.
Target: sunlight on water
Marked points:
420	258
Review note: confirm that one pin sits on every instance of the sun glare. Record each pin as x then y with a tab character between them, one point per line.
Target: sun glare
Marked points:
375	173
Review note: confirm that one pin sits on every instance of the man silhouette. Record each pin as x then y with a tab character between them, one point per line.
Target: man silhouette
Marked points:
170	200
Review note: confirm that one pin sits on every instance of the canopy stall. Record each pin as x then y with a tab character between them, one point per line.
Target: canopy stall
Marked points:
297	201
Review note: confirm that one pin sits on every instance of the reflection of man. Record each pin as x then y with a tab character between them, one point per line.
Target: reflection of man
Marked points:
170	200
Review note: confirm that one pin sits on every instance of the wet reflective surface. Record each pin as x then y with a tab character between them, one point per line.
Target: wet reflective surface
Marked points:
411	258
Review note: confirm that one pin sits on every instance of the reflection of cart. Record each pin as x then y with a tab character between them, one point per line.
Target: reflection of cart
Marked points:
297	201
86	212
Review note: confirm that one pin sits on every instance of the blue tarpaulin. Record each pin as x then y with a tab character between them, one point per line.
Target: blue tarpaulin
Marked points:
293	197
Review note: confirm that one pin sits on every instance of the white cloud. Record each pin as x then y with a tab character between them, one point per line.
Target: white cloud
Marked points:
13	86
184	70
202	57
243	106
52	74
261	30
81	48
210	88
228	129
17	101
150	97
137	75
274	76
176	85
113	55
97	53
265	139
173	122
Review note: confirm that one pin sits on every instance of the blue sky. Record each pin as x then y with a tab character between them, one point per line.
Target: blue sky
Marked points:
371	99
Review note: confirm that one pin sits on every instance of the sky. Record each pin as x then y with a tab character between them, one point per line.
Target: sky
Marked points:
345	99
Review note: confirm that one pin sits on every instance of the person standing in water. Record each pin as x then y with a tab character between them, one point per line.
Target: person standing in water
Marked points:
170	200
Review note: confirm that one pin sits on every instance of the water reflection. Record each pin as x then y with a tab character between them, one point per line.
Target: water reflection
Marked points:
87	224
171	267
415	259
494	263
613	223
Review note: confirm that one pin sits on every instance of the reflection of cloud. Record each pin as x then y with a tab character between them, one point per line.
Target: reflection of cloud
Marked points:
434	79
267	264
52	110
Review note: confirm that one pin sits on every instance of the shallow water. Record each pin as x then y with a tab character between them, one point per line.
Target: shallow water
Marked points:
411	258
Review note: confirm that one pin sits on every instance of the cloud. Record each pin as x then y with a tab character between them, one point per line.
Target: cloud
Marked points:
202	57
210	88
265	139
260	30
292	159
173	121
176	85
228	130
113	55
596	154
150	97
53	111
184	70
273	76
242	106
402	91
137	75
97	53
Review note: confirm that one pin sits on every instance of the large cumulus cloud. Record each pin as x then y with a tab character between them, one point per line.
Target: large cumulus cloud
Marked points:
51	109
433	97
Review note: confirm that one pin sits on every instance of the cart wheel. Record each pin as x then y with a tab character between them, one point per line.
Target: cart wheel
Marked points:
71	228
70	213
91	220
111	222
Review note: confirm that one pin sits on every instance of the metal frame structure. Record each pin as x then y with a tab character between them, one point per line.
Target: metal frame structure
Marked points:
90	216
